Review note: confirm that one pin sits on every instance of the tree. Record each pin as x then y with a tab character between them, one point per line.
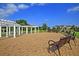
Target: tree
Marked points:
22	22
54	29
77	29
49	29
44	27
58	28
73	27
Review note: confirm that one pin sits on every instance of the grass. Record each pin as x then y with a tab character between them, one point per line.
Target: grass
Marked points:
42	31
36	30
77	34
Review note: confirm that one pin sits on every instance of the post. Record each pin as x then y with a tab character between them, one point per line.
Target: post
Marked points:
14	32
26	30
19	30
9	31
0	31
31	30
22	30
35	29
47	29
6	31
38	29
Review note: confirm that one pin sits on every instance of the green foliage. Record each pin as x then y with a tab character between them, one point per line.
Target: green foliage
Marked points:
21	22
77	34
49	29
44	26
56	29
74	28
77	29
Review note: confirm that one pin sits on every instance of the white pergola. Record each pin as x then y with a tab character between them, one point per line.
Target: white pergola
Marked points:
16	28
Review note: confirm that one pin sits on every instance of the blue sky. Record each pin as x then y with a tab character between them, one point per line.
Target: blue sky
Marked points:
37	14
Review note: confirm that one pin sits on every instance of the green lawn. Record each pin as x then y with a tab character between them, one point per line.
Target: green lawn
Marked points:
42	31
77	34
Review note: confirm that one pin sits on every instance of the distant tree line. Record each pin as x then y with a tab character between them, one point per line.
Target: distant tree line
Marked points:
22	22
56	28
44	26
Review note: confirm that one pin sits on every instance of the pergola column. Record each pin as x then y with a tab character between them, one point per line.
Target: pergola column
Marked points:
31	30
19	30
0	31
22	30
26	30
9	31
14	32
6	31
35	30
46	29
38	29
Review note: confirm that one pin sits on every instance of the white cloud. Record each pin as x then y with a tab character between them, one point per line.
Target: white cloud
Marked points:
7	10
38	4
23	6
73	9
42	4
2	13
10	9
